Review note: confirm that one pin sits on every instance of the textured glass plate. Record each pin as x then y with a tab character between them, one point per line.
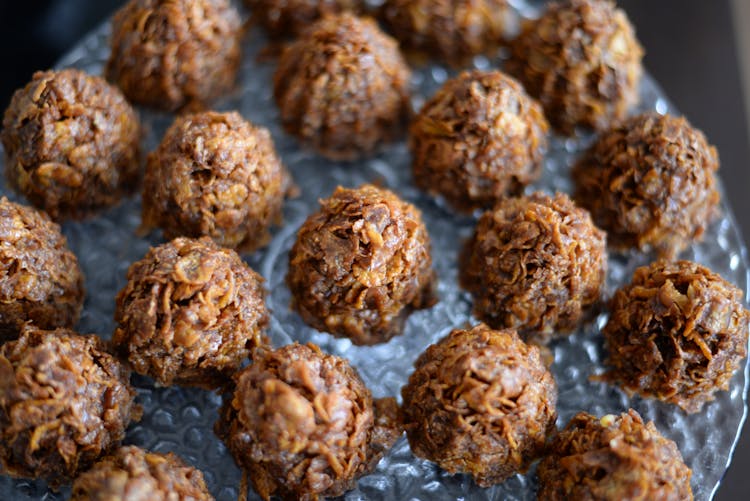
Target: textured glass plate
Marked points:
181	420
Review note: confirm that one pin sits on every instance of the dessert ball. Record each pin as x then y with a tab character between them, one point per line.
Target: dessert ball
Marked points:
343	87
71	143
302	424
361	264
581	59
216	175
480	402
535	264
285	18
167	54
613	458
650	183
132	474
190	314
40	280
677	332
64	402
479	139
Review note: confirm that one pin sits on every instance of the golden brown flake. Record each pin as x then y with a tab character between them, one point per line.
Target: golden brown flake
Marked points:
287	18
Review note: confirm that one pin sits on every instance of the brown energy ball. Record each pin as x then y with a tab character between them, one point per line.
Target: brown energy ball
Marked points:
285	18
677	332
40	280
171	53
650	182
535	264
615	458
480	402
581	59
343	87
302	424
215	174
190	314
64	402
71	143
361	264
132	474
480	138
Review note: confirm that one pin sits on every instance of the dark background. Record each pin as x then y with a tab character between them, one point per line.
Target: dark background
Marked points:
690	49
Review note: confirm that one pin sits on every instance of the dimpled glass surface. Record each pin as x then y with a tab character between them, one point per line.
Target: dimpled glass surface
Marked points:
181	420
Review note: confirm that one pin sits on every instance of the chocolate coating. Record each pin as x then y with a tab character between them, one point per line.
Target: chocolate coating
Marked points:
481	402
71	143
285	18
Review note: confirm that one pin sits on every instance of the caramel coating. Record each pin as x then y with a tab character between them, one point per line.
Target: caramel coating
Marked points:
285	18
480	402
343	87
168	54
190	314
479	139
71	144
650	182
677	332
215	174
64	402
615	458
581	59
361	264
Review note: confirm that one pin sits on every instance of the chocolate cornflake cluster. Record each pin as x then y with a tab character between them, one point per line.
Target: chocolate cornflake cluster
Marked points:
168	54
677	332
190	314
361	264
613	458
217	175
343	87
477	140
71	143
536	264
64	402
302	424
285	18
581	59
480	402
650	182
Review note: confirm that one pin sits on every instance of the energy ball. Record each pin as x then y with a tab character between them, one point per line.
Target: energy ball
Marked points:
40	280
479	139
613	458
71	144
216	175
302	424
343	87
285	18
535	264
650	183
64	402
480	402
361	264
677	332
581	59
132	474
168	54
190	314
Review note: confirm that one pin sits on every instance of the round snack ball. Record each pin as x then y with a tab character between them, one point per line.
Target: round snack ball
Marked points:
215	174
190	314
132	474
480	402
677	332
535	264
650	182
343	87
361	264
479	139
581	59
64	402
40	280
615	458
71	143
171	53
284	18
